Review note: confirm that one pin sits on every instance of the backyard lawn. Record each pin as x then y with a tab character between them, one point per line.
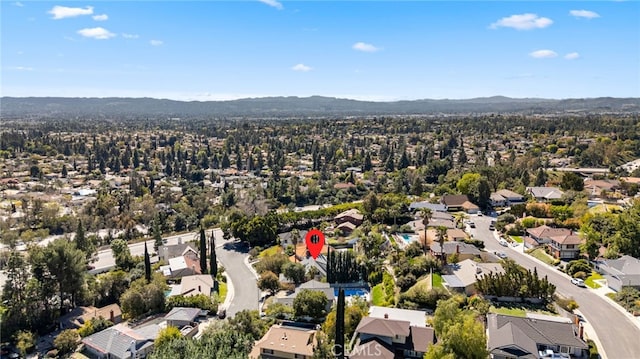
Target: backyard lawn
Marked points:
590	280
518	310
437	280
541	255
517	239
377	295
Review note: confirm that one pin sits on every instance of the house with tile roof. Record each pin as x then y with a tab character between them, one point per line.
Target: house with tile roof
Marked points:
562	242
511	337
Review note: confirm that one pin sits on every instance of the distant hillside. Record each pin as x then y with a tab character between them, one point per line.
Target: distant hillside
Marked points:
13	107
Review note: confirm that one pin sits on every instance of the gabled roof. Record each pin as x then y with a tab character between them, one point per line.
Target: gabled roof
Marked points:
454	246
196	284
286	339
353	213
119	339
467	271
454	200
509	194
383	327
434	207
545	231
545	192
415	317
371	348
183	314
567	239
521	332
625	265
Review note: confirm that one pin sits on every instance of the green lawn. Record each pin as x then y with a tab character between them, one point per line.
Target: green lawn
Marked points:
517	239
437	280
518	309
514	311
377	295
222	292
590	280
541	255
270	251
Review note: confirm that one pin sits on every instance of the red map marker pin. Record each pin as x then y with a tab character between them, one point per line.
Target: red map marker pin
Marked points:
315	241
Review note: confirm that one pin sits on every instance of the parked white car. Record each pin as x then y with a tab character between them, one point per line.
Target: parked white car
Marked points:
577	281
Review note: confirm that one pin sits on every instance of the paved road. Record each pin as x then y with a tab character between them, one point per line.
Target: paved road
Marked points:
620	338
232	256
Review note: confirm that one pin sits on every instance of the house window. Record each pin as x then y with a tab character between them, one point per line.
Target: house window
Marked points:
299	356
564	349
571	246
267	351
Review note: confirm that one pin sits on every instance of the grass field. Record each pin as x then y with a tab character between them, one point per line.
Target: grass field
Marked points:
222	287
590	280
517	239
270	251
377	295
541	255
518	310
437	280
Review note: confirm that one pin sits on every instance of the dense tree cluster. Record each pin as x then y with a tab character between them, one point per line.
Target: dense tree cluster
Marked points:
516	282
344	267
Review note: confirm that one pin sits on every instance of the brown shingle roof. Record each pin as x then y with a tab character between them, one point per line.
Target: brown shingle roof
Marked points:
383	327
287	340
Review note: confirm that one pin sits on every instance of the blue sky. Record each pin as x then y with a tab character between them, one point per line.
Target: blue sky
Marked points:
373	50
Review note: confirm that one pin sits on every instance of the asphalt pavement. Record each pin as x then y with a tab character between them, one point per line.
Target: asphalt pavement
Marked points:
618	335
233	256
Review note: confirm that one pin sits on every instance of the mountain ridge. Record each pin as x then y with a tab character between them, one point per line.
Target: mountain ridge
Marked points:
290	106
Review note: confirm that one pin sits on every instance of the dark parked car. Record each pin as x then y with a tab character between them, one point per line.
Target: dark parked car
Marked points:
222	313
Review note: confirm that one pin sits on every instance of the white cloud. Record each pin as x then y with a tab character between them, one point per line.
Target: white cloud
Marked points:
301	68
584	14
156	42
523	22
543	54
61	12
21	68
363	46
18	4
103	17
572	56
273	3
130	36
98	33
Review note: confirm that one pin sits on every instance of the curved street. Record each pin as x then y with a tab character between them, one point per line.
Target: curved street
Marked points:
619	336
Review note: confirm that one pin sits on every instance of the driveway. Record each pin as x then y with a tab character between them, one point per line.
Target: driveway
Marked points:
618	335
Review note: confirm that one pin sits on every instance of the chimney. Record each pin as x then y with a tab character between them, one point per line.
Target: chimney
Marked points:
132	348
111	316
179	240
386	316
458	248
199	289
576	320
581	332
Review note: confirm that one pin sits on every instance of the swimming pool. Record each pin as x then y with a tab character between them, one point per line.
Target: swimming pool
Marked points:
407	237
350	292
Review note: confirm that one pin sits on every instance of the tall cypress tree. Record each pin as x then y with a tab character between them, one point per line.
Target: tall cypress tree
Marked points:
212	258
340	325
147	264
203	252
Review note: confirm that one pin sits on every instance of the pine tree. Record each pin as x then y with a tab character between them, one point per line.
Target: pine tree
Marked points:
203	252
147	264
82	242
340	325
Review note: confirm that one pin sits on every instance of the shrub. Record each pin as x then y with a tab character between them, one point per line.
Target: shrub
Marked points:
581	275
375	278
580	265
406	282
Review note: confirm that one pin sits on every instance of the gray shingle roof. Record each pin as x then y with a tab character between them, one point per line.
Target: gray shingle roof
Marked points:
183	314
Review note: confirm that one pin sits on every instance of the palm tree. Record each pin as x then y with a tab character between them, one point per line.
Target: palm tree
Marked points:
295	238
426	216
